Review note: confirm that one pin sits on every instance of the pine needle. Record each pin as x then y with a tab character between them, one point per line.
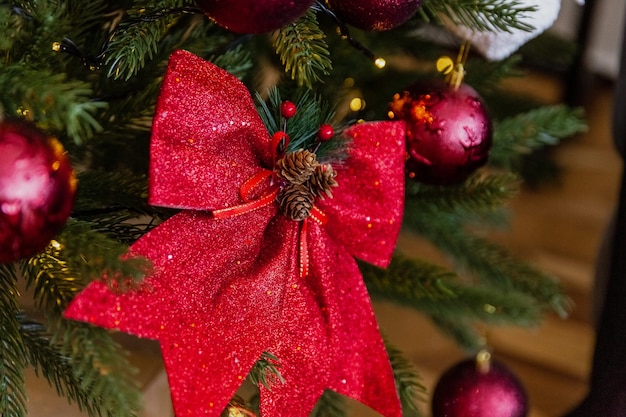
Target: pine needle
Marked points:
482	15
12	349
522	134
330	404
408	382
303	51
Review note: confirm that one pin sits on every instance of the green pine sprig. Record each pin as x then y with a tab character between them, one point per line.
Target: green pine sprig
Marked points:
439	292
520	135
303	51
57	103
101	369
481	192
330	404
409	384
12	350
266	371
49	362
482	15
312	111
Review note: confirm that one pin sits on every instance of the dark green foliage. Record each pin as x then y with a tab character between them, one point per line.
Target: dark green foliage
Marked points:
266	371
55	363
330	404
483	15
303	50
408	382
12	350
302	129
520	135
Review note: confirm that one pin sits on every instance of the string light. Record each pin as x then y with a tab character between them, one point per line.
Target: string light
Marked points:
357	104
380	63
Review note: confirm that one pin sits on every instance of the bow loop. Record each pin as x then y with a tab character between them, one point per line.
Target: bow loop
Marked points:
207	137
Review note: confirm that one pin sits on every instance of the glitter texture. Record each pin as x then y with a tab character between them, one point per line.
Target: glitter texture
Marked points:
224	291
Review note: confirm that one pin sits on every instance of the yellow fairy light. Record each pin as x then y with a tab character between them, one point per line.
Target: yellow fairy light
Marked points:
445	65
380	63
357	104
348	82
56	46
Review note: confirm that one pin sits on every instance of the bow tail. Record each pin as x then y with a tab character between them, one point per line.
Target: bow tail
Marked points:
301	346
213	301
329	338
361	367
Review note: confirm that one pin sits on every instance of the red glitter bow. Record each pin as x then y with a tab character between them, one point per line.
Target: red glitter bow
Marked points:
225	290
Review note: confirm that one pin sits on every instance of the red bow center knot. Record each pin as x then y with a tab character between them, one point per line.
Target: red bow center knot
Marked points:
297	180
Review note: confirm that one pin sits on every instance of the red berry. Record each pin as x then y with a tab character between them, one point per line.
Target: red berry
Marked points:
326	132
288	109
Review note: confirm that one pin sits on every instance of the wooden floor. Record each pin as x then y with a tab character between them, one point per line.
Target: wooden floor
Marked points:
560	228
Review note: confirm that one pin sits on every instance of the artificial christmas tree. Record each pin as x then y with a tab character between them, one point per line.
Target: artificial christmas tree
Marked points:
246	231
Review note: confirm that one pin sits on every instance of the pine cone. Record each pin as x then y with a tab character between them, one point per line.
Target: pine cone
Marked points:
322	181
296	167
295	202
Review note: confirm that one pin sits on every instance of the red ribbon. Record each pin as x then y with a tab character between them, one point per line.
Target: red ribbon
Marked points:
228	281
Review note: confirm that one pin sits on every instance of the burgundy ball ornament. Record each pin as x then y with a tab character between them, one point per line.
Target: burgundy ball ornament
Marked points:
254	16
449	131
378	15
474	389
37	186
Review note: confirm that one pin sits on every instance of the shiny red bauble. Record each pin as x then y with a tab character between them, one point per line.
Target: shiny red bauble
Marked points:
325	132
467	390
449	131
288	109
254	16
376	15
37	186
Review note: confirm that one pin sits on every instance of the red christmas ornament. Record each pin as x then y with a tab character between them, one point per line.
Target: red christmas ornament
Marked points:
288	109
479	388
449	132
254	16
37	188
325	132
376	15
233	277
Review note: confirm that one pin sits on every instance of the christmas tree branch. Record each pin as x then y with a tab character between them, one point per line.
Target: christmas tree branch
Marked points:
461	331
57	103
101	369
408	382
440	293
303	51
330	404
479	193
92	255
522	134
266	371
12	356
482	15
57	368
490	263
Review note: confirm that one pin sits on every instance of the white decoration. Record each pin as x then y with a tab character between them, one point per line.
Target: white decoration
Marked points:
497	44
